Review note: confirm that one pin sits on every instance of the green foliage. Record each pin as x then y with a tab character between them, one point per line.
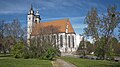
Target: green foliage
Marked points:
81	49
26	53
33	51
85	47
49	54
100	48
43	49
89	47
17	49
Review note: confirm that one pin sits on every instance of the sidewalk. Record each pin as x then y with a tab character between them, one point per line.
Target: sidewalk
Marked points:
61	63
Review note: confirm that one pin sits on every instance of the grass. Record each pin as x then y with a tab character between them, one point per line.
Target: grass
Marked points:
12	62
90	63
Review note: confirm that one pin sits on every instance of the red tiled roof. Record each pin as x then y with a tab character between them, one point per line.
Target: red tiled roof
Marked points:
61	24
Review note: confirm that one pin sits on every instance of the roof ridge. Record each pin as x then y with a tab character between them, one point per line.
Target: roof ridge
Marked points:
66	19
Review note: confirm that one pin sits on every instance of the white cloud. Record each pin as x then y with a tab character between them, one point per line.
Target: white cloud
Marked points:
80	26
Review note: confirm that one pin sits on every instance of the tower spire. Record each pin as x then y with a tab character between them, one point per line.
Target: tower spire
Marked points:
31	11
31	8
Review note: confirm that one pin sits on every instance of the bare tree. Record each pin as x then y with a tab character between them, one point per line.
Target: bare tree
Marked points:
11	33
102	26
1	34
45	38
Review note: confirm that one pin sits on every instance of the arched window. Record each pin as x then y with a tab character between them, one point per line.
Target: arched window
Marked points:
54	38
61	41
66	40
69	41
73	41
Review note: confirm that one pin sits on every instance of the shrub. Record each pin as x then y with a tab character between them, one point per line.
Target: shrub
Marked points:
49	54
26	53
17	50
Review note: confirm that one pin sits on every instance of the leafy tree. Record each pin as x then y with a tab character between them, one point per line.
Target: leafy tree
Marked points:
102	26
115	45
117	49
82	47
89	47
85	47
100	48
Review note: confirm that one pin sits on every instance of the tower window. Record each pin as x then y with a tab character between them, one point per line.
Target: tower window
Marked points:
29	18
35	21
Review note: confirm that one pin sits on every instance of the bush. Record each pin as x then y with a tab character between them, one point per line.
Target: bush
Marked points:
41	52
17	50
50	53
26	53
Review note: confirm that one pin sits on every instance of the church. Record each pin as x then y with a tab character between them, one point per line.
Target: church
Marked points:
65	37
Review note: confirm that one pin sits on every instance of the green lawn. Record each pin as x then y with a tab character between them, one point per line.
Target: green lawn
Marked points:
12	62
90	63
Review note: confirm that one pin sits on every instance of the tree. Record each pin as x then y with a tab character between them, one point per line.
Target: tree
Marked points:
90	47
115	45
93	21
1	34
85	47
45	42
82	47
102	27
11	33
100	48
116	49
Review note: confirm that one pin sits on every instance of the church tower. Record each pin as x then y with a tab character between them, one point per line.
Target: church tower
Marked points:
30	22
37	17
32	19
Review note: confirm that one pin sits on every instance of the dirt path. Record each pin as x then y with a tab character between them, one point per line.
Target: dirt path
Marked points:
61	63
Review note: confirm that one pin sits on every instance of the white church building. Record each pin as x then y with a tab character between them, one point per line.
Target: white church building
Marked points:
68	40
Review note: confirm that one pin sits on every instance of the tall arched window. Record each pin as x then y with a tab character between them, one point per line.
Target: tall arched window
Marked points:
69	41
66	40
73	41
61	40
54	37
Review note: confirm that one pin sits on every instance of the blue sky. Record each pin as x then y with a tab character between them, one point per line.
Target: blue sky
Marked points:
75	10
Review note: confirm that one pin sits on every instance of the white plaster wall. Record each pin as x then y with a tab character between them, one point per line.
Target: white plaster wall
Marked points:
78	39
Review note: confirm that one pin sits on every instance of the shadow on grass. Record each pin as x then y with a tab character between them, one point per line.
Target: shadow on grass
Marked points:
5	55
53	59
